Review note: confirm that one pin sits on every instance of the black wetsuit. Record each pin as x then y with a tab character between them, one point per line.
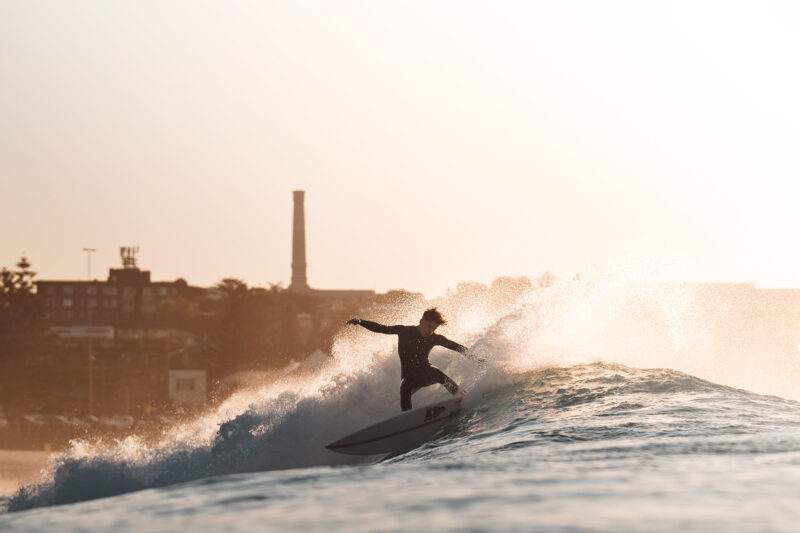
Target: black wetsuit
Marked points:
415	369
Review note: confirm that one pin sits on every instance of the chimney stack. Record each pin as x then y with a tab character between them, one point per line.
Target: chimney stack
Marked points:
299	281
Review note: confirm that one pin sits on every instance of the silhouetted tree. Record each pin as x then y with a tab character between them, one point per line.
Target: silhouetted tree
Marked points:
20	314
232	287
21	329
227	331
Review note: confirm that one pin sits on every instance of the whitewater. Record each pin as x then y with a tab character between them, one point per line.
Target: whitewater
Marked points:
601	407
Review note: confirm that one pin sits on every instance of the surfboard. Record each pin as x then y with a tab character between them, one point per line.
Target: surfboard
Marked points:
398	433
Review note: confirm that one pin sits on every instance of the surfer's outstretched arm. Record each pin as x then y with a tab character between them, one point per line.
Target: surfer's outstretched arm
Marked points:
452	345
374	326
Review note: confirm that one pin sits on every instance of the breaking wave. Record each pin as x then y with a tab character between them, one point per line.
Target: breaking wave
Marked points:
597	352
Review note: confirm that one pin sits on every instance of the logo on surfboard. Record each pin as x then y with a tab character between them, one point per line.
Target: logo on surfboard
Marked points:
434	412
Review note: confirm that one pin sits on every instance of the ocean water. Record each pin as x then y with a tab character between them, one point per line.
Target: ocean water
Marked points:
570	425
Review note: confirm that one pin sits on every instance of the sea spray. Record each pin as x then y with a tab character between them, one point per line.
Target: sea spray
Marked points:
284	424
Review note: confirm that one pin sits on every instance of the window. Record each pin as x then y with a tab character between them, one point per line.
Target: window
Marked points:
148	292
92	302
91	290
162	291
50	303
109	291
67	302
127	307
148	308
128	292
109	304
184	384
66	290
50	290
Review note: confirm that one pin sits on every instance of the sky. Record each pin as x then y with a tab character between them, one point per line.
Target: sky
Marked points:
437	142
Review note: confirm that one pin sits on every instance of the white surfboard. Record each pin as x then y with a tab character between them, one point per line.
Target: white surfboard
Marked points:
397	433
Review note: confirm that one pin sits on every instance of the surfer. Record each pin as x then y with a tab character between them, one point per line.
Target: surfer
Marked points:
414	345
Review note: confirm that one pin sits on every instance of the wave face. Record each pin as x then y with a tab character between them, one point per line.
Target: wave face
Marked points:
570	423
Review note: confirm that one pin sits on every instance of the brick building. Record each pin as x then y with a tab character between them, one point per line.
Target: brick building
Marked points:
127	298
139	359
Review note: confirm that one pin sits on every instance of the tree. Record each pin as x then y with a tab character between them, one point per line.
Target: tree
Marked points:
227	331
20	313
21	330
232	288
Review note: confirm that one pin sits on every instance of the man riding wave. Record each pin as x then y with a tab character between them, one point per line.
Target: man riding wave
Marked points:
414	345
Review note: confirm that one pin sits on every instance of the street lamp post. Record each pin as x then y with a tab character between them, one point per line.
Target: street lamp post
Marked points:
89	332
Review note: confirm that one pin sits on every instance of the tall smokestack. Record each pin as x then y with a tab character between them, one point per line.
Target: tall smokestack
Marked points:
299	281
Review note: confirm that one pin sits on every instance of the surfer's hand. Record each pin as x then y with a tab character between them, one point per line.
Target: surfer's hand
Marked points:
354	321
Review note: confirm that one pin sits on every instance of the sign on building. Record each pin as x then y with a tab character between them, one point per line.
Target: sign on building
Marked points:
82	332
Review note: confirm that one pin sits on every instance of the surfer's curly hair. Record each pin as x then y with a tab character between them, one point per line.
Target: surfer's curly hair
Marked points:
434	315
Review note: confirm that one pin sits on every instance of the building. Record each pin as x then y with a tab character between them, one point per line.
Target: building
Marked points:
127	298
116	344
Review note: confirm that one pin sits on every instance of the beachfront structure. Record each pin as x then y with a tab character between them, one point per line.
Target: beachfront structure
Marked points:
299	266
118	349
127	297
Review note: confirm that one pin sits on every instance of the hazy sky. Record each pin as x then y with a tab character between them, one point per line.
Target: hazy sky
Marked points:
437	141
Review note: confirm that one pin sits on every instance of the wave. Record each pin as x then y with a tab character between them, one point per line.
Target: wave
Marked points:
584	403
558	371
600	411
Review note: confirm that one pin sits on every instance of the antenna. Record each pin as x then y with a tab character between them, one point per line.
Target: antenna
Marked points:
128	254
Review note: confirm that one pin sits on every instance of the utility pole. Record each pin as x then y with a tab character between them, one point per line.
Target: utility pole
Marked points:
89	333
